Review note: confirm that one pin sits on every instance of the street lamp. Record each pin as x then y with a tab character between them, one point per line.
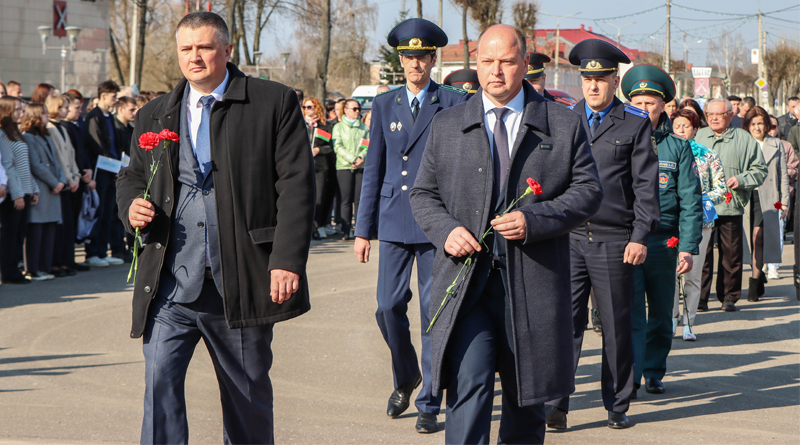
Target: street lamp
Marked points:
72	35
257	60
558	42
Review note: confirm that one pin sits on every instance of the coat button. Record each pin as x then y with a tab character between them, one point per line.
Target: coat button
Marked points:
200	224
591	239
404	173
588	223
590	233
476	212
166	199
158	246
147	289
404	188
405	158
205	192
480	170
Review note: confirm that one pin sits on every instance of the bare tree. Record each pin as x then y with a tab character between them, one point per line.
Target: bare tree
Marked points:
321	78
729	55
783	71
140	42
486	13
524	13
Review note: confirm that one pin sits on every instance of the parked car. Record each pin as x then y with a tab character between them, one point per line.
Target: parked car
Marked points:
365	94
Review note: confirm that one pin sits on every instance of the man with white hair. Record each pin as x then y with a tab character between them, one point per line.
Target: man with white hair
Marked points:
745	170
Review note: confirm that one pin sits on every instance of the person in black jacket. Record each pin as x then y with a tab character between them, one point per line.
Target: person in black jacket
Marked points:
319	136
227	226
100	140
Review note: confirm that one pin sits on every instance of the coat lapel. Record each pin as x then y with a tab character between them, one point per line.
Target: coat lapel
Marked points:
402	111
770	148
426	112
616	112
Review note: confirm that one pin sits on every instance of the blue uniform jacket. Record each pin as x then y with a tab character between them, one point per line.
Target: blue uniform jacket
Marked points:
396	144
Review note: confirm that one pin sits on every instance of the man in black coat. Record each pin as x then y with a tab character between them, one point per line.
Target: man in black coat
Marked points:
606	248
232	201
511	310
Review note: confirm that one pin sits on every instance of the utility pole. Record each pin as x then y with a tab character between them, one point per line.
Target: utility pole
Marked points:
667	64
558	44
439	65
619	30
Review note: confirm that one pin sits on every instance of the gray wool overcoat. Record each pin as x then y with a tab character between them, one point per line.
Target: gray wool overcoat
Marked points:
454	188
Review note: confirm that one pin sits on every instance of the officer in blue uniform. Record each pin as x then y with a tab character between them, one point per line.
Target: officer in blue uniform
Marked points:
401	121
466	79
536	75
649	88
605	250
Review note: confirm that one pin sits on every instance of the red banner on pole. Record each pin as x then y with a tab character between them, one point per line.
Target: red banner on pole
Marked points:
59	18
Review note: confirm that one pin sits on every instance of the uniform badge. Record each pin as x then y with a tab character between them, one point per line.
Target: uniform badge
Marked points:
393	126
467	86
399	126
642	84
594	65
655	149
663	180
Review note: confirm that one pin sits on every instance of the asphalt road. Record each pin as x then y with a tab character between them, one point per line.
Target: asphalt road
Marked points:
70	373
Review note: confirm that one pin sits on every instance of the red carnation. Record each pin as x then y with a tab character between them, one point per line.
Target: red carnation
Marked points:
672	242
728	197
534	186
168	135
778	205
149	140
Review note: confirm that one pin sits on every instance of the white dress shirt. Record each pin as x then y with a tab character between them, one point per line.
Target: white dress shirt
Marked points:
194	107
512	119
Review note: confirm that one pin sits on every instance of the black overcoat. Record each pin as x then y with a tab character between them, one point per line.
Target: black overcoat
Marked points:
264	186
454	188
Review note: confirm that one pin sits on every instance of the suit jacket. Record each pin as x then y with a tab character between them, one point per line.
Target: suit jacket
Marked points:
97	139
626	157
454	188
396	144
264	184
785	123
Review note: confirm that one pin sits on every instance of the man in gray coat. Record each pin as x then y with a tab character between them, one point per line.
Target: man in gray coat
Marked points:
512	310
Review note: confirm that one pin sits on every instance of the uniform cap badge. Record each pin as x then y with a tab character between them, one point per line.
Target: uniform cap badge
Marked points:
642	84
594	65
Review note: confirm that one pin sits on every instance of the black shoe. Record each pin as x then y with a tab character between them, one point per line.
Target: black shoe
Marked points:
597	326
702	306
20	280
58	272
729	307
635	393
400	398
427	423
315	235
70	271
80	267
752	290
617	421
556	418
654	386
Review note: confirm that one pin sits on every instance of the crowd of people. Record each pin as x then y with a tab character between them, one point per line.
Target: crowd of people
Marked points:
53	196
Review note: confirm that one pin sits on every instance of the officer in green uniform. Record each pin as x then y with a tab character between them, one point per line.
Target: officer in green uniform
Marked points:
649	88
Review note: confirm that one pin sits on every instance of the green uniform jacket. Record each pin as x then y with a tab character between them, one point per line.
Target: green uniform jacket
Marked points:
679	187
346	140
741	158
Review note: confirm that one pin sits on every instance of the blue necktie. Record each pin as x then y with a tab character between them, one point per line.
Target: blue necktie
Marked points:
414	108
202	143
594	122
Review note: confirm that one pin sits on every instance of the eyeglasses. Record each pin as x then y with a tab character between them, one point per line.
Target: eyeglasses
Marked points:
308	107
355	109
720	115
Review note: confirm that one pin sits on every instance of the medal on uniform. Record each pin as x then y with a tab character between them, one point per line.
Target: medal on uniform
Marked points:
393	126
399	126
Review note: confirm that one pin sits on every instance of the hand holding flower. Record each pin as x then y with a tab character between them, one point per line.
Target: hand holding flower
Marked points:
460	242
511	225
140	213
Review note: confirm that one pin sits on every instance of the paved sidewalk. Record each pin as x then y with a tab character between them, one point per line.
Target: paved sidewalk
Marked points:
69	372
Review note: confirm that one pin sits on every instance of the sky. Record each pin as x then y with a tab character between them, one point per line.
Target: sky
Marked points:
646	33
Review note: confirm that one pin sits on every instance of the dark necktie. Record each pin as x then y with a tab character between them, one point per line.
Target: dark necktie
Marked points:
202	143
414	108
594	123
501	149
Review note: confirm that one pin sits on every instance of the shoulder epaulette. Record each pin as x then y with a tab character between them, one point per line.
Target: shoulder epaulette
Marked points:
637	111
452	89
572	107
385	92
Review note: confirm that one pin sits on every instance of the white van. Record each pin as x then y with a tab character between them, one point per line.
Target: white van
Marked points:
364	94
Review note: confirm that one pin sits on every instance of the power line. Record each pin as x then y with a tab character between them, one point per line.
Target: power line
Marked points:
782	20
712	12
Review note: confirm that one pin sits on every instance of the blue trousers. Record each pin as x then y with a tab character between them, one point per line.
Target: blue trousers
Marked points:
242	359
394	293
480	344
101	231
652	326
598	265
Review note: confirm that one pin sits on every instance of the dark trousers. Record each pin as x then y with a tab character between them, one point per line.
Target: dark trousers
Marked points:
394	276
480	344
39	243
654	280
64	248
729	265
322	213
599	265
242	359
350	188
118	236
334	200
101	232
13	226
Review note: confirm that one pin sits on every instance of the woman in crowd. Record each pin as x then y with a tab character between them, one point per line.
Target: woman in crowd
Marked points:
685	123
367	119
42	92
693	105
317	126
21	192
46	213
351	152
769	203
64	249
671	107
792	163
